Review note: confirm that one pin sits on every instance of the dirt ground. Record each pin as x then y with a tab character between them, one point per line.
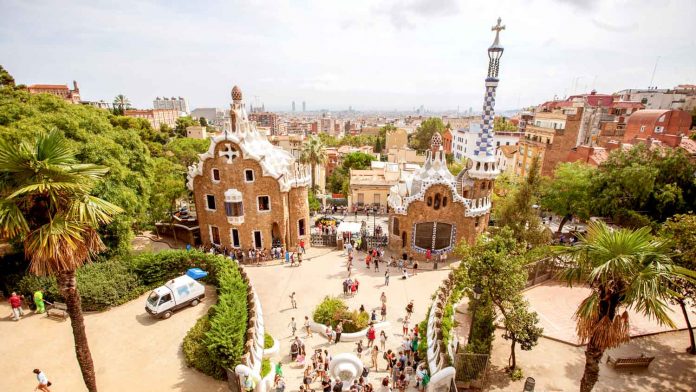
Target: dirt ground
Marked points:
131	350
559	366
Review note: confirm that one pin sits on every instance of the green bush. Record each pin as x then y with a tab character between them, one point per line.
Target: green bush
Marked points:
101	284
195	352
332	310
516	374
265	367
483	328
154	269
267	341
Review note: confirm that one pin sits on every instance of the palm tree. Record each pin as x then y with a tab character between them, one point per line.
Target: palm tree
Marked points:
624	269
45	205
313	153
121	103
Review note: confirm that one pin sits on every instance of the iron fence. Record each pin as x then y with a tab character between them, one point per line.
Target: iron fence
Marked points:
323	240
470	368
542	270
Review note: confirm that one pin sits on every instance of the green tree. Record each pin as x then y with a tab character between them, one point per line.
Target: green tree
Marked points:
121	104
420	140
47	207
624	269
518	211
501	124
328	140
356	160
182	123
184	151
203	121
496	264
455	167
314	203
680	230
6	80
567	193
639	186
169	187
313	153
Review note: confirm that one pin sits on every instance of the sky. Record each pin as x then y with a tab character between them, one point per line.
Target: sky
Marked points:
368	54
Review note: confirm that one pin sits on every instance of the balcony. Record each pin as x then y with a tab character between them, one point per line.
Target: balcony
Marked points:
235	220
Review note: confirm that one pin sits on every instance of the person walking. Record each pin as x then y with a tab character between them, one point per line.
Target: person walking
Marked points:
386	278
415	268
371	335
293	325
374	355
287	256
373	316
16	304
435	261
409	309
293	302
302	246
383	298
383	312
43	381
405	326
339	331
383	341
39	301
377	264
307	327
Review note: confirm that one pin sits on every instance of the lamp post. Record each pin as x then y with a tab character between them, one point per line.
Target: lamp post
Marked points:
478	290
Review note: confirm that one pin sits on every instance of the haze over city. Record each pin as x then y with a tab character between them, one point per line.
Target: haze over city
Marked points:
371	55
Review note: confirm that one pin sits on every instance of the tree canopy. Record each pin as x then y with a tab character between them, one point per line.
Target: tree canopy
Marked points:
568	192
420	140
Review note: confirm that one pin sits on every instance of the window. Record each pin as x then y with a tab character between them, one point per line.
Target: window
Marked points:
165	298
361	198
444	201
658	129
234	234
642	128
433	235
395	226
436	203
214	235
249	175
477	221
430	201
234	208
216	175
301	227
210	202
264	203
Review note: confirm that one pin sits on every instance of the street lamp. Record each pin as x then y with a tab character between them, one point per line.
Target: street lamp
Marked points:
478	290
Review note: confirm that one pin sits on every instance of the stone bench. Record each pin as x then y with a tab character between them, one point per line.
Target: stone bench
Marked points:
630	362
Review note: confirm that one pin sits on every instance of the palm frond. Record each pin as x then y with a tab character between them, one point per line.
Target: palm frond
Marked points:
92	210
12	220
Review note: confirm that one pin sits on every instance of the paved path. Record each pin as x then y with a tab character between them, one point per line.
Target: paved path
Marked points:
131	350
322	276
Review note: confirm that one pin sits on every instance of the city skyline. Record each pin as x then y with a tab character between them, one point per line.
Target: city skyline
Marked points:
385	56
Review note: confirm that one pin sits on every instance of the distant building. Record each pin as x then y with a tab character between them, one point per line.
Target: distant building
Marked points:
304	106
266	120
593	156
98	104
156	117
404	155
249	193
464	139
59	90
370	187
178	104
196	132
447	141
293	106
662	99
397	138
370	131
505	157
214	116
667	126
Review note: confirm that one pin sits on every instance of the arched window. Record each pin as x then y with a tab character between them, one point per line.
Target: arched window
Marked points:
395	226
436	204
430	201
433	235
444	201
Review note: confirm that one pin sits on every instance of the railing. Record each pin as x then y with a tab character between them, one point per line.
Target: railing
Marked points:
323	239
542	270
376	241
471	368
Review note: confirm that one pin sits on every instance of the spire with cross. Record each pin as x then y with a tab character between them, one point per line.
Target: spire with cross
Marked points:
497	28
229	152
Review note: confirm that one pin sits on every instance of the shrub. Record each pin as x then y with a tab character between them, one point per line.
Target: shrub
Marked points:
265	367
195	352
267	341
156	268
101	285
516	374
483	328
332	310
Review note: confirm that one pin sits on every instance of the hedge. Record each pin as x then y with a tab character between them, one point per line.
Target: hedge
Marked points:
332	310
195	352
267	341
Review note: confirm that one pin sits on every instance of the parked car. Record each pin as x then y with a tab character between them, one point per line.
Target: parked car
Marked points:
175	294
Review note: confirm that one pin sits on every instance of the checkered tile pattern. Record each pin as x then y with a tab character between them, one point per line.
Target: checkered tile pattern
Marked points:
484	144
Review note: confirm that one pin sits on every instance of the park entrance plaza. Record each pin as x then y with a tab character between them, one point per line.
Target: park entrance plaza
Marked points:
135	352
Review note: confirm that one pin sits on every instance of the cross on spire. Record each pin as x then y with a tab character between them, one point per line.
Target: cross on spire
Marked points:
497	28
229	152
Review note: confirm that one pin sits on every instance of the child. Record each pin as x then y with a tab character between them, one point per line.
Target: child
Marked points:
359	348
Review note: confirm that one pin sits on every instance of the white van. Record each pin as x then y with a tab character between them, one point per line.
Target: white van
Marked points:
176	294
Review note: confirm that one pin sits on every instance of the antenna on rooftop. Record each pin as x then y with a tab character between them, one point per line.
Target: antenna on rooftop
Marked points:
652	78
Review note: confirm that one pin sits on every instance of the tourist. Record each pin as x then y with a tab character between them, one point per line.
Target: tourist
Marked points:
293	326
293	302
299	259
302	247
375	353
415	267
377	264
409	309
333	335
346	286
373	316
307	327
386	278
383	298
383	312
404	274
16	304
338	385
292	259
428	255
326	383
362	308
39	301
371	335
329	334
355	287
350	268
368	258
339	331
385	385
307	379
414	346
382	340
43	381
279	383
404	326
287	256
